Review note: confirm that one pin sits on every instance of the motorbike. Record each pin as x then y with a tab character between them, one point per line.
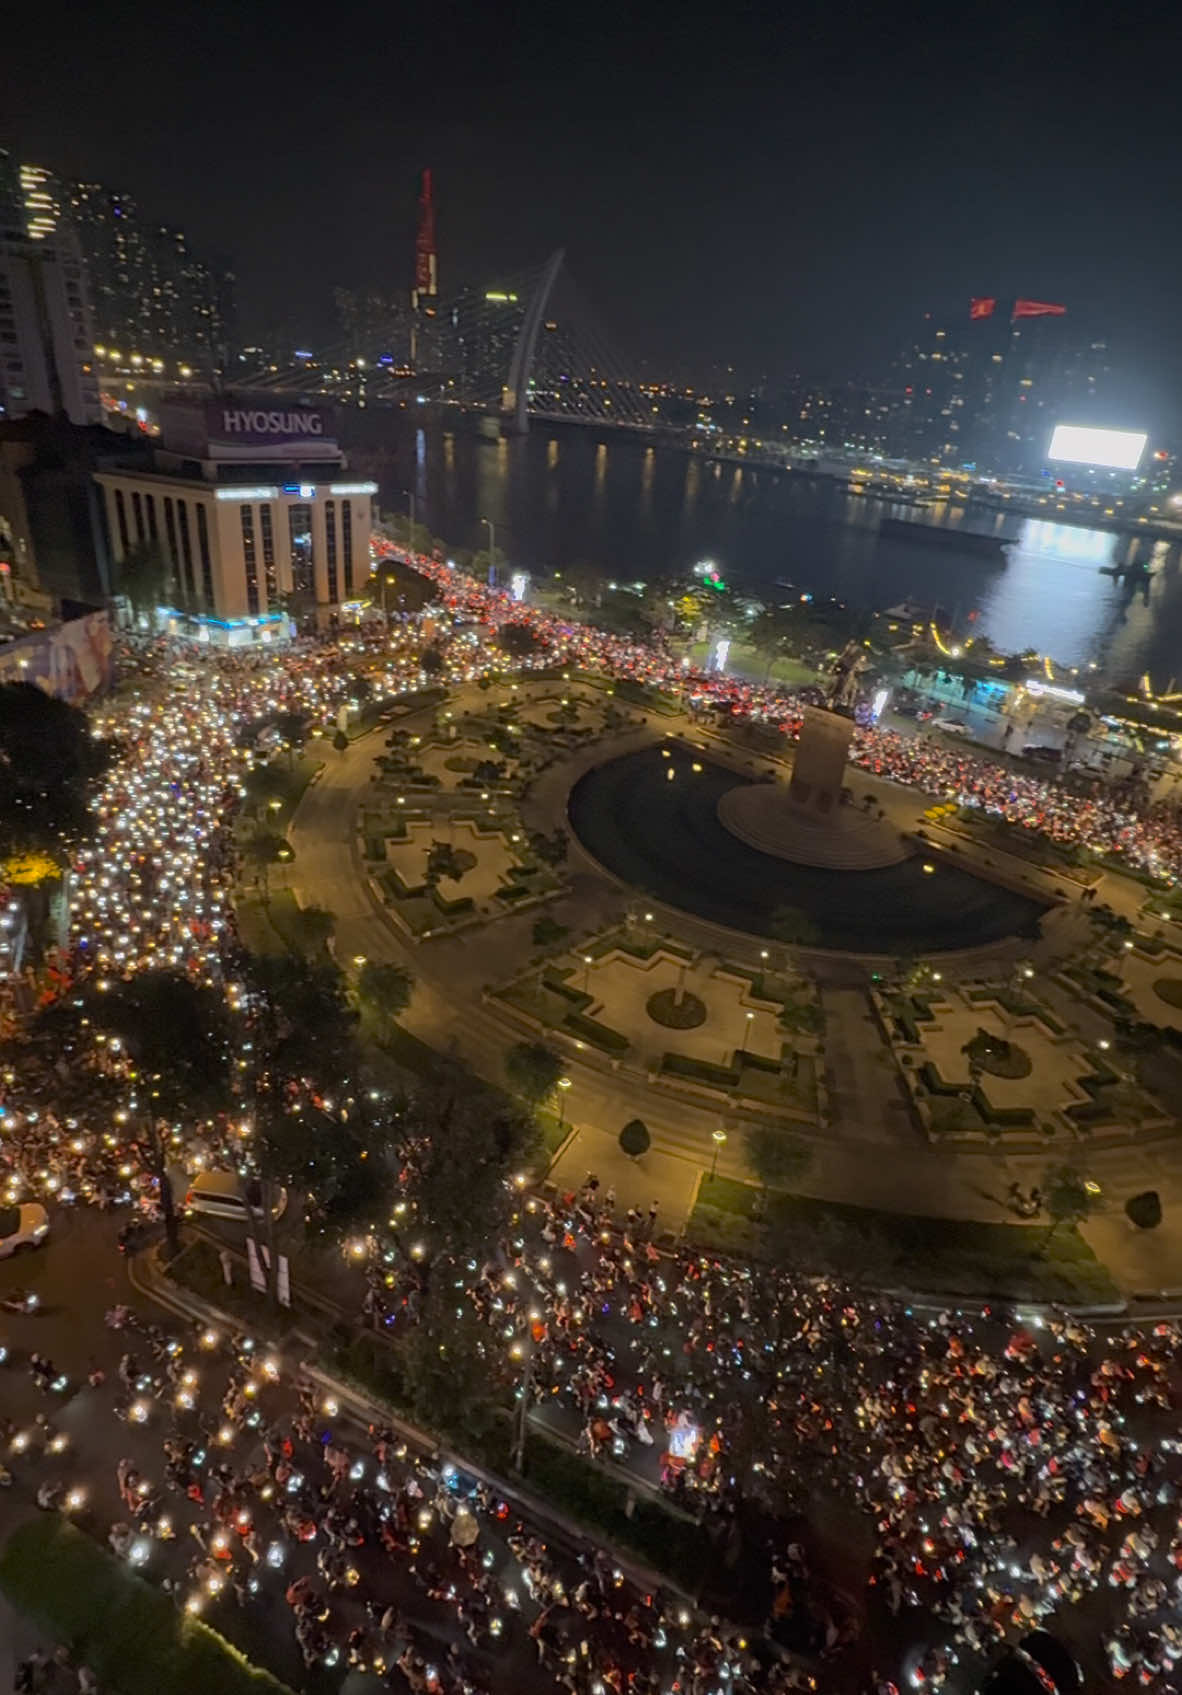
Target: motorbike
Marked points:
23	1301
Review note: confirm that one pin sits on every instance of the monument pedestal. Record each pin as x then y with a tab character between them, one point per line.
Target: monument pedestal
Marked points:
808	824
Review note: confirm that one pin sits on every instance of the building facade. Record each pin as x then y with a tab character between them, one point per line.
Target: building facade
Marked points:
249	508
53	542
149	293
46	332
984	386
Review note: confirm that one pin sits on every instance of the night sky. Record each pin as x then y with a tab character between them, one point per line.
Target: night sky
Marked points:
774	186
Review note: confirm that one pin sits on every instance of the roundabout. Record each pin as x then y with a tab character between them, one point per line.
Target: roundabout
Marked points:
654	820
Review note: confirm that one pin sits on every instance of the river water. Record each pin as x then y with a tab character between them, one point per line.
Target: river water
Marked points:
565	495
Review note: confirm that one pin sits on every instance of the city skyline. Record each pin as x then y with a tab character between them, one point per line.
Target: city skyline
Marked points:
766	197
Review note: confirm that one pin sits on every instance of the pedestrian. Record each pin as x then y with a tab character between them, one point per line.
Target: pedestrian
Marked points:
652	1217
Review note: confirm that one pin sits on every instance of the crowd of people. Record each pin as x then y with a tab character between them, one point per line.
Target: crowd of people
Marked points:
1017	1476
242	1480
1010	1475
1148	839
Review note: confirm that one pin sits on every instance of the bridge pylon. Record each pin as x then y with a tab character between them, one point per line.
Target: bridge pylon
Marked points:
515	394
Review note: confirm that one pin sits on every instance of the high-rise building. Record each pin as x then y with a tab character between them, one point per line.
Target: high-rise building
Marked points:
985	386
425	350
40	191
46	334
150	294
425	293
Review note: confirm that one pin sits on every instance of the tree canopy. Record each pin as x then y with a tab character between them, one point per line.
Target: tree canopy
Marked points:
384	988
519	641
533	1070
178	1035
1068	1196
50	770
142	577
635	1139
777	1158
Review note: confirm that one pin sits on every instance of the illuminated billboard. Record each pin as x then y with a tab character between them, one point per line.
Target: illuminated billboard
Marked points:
1115	450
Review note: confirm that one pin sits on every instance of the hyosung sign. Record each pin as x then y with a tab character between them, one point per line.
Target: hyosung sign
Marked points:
260	427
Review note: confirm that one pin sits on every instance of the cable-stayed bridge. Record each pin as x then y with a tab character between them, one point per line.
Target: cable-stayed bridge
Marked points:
530	348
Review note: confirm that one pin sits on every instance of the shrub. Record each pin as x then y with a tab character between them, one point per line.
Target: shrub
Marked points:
635	1139
1144	1210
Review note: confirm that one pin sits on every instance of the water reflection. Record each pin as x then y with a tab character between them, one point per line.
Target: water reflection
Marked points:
636	511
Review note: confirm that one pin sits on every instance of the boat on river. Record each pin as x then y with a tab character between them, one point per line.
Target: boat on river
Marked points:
954	539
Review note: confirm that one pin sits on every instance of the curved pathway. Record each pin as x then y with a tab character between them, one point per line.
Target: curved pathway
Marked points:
868	1118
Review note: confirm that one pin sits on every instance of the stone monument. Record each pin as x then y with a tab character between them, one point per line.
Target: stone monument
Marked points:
807	822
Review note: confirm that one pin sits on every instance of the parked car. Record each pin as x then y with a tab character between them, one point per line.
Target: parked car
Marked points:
224	1195
22	1228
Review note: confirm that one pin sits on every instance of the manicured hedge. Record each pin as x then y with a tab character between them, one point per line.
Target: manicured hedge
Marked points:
700	1071
129	1634
599	1035
1001	1117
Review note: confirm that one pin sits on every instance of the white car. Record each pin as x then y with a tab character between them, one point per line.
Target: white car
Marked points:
951	726
22	1227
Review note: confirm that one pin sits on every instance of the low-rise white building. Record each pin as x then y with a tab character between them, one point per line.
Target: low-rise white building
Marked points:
251	508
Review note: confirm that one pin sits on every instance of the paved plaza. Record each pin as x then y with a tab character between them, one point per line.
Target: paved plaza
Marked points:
490	854
868	1109
622	988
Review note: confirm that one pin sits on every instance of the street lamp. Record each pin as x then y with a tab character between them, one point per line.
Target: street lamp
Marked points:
564	1084
524	1351
746	1034
588	962
410	495
718	1137
492	550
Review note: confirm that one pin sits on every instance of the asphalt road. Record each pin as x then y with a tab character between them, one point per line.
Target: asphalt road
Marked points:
78	1276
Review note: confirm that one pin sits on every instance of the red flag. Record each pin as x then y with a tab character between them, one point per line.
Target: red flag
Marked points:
982	306
1037	309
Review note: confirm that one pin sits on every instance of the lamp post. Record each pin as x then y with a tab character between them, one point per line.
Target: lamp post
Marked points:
524	1351
746	1033
564	1084
410	495
492	551
588	962
718	1137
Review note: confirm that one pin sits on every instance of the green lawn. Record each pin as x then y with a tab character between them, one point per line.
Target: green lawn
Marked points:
955	1255
554	1131
275	926
129	1634
745	661
289	782
258	933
